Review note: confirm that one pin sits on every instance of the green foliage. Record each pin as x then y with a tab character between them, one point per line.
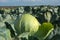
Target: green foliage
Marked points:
44	30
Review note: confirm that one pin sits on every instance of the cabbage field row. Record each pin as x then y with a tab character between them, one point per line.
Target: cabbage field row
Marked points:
30	23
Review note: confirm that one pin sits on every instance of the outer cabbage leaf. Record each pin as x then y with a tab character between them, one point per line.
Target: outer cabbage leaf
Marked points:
44	31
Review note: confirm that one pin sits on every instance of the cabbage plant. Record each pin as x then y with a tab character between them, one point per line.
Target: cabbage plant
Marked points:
26	23
4	32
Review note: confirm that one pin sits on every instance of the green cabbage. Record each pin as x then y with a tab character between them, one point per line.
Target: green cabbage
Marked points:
27	23
5	34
